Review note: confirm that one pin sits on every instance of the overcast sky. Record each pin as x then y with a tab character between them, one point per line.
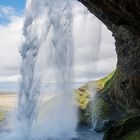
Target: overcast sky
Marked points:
94	48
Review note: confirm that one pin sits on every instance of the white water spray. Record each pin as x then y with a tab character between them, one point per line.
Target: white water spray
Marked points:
56	29
48	25
90	32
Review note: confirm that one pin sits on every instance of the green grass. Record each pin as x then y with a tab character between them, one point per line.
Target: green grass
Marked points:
99	84
2	113
100	108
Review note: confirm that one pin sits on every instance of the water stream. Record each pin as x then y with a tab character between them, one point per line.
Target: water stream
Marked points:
48	26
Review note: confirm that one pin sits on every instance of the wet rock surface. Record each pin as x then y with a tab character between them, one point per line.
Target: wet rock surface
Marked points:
88	134
116	13
122	17
125	129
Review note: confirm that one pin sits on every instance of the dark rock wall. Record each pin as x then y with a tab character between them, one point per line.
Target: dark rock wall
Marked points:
122	17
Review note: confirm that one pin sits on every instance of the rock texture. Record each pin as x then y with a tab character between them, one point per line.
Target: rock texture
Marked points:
122	17
126	129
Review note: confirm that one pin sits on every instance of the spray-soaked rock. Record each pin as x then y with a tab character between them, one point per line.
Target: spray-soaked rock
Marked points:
122	18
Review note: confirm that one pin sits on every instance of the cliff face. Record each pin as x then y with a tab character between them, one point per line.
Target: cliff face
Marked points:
122	17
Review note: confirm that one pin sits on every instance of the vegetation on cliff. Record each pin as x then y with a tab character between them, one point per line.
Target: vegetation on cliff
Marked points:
2	113
127	124
125	129
89	108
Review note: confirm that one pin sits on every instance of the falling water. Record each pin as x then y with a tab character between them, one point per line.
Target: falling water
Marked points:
55	33
48	26
90	32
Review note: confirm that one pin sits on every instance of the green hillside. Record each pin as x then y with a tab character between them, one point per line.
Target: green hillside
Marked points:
82	94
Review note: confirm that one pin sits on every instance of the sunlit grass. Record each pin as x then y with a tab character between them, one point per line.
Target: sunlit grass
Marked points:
82	94
101	83
2	113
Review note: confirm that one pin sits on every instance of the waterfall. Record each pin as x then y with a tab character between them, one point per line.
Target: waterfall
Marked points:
49	32
55	33
89	28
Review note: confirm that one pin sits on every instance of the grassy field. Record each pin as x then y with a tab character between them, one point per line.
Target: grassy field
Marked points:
98	84
102	82
82	94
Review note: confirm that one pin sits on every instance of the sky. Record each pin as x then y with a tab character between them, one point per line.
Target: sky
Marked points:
16	4
88	65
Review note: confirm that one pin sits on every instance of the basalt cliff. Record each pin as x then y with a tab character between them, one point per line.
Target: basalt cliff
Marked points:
122	18
122	93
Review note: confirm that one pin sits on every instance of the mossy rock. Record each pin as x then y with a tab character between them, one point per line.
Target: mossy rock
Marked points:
126	129
97	109
134	135
100	108
83	98
101	83
85	116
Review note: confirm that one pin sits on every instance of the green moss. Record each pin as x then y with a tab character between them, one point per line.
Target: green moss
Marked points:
106	80
134	135
97	109
110	81
100	109
85	116
101	83
124	129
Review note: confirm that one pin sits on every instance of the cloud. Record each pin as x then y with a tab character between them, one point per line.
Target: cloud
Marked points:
94	49
6	10
94	46
8	13
10	41
9	79
5	13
